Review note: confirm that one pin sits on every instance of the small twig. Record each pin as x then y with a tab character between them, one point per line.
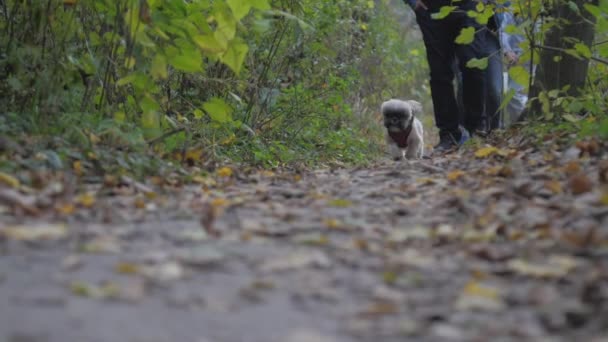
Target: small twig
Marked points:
553	48
163	136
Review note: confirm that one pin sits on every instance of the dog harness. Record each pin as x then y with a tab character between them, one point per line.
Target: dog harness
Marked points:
400	137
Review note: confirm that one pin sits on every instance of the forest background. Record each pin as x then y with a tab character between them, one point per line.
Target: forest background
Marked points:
107	85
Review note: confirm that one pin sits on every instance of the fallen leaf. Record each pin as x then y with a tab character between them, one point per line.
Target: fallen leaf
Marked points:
333	223
554	186
485	152
340	203
455	175
476	295
102	244
9	180
126	268
77	166
554	267
603	172
139	202
36	232
66	209
296	260
86	200
572	167
580	184
426	181
224	172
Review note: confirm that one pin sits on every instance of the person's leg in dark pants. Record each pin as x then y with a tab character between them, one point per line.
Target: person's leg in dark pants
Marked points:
473	79
440	57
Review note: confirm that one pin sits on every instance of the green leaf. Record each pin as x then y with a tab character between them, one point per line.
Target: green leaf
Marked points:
506	99
234	56
583	50
466	36
520	75
240	8
443	12
261	4
226	25
159	67
210	44
218	110
188	60
570	118
148	105
481	63
150	118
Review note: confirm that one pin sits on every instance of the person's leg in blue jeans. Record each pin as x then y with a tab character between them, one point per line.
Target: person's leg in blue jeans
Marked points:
494	82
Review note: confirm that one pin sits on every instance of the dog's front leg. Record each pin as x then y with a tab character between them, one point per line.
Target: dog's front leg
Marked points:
413	150
394	150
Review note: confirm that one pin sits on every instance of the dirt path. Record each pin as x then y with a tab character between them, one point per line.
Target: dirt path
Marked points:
492	244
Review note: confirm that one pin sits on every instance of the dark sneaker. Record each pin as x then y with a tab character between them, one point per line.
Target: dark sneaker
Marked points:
447	142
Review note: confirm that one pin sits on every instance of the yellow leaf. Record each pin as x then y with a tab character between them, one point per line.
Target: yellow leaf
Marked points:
9	180
341	203
426	181
228	140
219	202
86	200
268	173
485	152
139	203
477	296
333	223
94	139
455	175
554	186
77	166
194	155
604	198
81	289
389	277
66	209
126	268
474	288
224	172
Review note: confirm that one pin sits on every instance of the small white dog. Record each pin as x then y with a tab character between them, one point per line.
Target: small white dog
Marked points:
404	132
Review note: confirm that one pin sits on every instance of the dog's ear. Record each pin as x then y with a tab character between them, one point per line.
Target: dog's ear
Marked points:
416	107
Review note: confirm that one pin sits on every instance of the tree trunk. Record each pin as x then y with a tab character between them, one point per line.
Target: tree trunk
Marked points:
557	68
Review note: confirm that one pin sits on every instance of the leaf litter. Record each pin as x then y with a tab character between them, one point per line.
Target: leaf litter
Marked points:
503	240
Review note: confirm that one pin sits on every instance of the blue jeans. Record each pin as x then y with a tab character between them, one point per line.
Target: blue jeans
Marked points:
494	82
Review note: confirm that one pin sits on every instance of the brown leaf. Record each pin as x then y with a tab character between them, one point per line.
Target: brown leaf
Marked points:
554	186
572	167
603	171
580	184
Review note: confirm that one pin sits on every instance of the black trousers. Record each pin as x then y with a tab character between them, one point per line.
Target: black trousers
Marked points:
439	37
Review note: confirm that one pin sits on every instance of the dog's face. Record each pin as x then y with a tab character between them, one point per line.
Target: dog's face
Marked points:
397	114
